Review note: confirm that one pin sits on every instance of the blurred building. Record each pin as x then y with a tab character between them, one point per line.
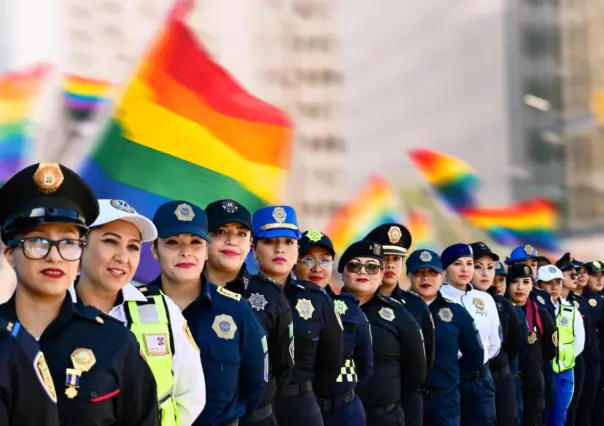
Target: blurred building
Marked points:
283	51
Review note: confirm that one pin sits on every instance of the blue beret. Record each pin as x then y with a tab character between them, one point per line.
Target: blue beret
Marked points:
276	221
180	217
454	252
421	259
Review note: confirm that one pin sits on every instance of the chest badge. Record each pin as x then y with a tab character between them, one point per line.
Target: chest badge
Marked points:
224	326
43	373
541	300
305	308
387	314
445	314
258	301
593	302
341	307
478	303
83	360
532	338
564	321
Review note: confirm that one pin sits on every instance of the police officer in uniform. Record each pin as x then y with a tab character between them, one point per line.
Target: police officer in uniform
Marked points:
317	326
485	267
338	401
109	261
25	381
541	344
231	340
398	348
230	226
455	333
96	365
396	240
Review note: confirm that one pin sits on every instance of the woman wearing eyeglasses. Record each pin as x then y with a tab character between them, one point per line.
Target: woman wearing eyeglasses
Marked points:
338	400
94	362
399	360
317	327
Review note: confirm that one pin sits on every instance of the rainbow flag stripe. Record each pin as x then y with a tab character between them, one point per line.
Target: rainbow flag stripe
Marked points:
185	129
420	225
453	181
533	222
375	204
82	93
18	93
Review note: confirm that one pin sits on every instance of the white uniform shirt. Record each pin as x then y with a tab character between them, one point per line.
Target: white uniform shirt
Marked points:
578	327
482	308
189	381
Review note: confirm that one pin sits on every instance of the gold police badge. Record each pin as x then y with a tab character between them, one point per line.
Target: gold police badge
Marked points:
83	359
224	326
48	177
593	303
305	308
541	300
387	314
394	234
445	314
43	373
184	213
529	250
279	214
425	256
532	338
478	303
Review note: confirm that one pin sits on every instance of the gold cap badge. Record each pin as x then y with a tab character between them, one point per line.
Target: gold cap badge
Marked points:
184	213
48	177
425	256
529	250
394	234
279	214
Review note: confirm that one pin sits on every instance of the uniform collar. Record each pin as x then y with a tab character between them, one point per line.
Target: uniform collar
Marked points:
448	289
8	311
240	283
207	288
127	294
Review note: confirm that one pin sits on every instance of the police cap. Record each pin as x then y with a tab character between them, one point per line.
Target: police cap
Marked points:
275	222
222	212
480	249
519	270
45	193
180	217
565	262
594	267
313	238
362	248
394	238
454	252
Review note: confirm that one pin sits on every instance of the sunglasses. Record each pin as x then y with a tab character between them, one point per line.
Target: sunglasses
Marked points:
310	262
370	268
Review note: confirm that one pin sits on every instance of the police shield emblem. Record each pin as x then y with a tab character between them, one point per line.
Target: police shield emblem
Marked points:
83	359
425	256
387	314
184	213
541	300
224	326
394	234
564	321
593	303
122	206
258	301
529	250
445	314
478	303
305	308
340	306
48	177
313	235
279	214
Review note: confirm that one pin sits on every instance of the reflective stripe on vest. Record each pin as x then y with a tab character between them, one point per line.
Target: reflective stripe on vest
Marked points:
565	322
150	323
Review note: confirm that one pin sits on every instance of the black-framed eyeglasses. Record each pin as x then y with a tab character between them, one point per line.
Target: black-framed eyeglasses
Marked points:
370	268
36	248
310	262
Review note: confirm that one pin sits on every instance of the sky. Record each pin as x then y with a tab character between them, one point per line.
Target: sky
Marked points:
33	36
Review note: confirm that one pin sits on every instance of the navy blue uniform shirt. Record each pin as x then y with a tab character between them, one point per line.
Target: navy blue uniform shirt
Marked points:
511	332
592	307
399	359
27	393
317	334
416	307
272	309
358	350
233	351
118	387
455	332
540	347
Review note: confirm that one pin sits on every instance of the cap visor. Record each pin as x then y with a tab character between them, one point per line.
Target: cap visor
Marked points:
144	225
414	269
323	246
276	233
177	230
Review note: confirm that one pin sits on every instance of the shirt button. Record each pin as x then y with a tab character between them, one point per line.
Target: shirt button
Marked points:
94	394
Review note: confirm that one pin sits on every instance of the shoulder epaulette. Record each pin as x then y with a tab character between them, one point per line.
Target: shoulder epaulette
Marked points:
448	300
391	301
308	285
97	316
229	293
414	294
267	280
6	326
149	291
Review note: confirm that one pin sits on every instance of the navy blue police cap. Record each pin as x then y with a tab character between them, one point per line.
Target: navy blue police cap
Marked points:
362	248
480	249
394	238
423	259
313	238
594	267
221	212
499	268
180	217
519	270
45	193
565	262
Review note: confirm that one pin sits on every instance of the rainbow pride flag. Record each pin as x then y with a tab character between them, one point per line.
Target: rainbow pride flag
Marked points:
453	181
18	93
185	129
533	222
85	94
420	225
375	204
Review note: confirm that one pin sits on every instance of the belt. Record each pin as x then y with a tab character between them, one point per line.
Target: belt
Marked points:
258	415
297	389
429	393
384	410
331	404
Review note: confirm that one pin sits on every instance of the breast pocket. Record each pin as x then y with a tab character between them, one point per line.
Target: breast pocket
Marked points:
447	338
350	334
221	364
306	340
95	398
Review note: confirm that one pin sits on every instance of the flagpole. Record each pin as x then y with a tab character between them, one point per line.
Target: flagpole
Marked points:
90	133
